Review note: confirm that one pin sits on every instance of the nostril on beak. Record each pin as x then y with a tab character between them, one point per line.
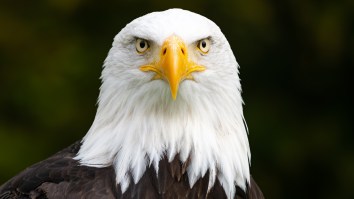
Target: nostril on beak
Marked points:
182	49
164	51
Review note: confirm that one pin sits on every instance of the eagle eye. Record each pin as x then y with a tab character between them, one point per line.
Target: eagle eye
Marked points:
204	45
141	45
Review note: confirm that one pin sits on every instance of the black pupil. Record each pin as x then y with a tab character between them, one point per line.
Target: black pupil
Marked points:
203	44
142	44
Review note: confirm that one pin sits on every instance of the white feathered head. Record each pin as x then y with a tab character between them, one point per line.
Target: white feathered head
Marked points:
170	86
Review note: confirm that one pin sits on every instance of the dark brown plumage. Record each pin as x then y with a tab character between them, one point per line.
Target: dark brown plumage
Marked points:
60	176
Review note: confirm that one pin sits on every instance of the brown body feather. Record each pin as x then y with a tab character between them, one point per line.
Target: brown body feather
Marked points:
60	176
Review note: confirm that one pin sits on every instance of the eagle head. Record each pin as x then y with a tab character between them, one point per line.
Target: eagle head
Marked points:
170	86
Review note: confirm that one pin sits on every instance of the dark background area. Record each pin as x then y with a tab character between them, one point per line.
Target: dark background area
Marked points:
296	62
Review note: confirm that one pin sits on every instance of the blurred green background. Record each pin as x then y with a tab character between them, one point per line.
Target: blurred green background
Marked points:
296	62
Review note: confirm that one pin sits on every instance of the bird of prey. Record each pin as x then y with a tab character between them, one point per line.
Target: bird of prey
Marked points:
169	122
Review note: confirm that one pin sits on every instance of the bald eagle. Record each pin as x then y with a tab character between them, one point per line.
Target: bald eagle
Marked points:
169	122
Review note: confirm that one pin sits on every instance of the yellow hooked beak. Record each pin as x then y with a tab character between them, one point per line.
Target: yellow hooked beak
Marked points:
173	64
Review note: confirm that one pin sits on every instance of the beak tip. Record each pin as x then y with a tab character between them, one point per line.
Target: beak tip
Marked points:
174	88
174	97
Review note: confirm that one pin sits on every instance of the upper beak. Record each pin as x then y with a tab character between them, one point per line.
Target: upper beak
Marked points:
173	64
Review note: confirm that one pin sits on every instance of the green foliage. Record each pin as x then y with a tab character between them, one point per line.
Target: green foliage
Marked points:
296	62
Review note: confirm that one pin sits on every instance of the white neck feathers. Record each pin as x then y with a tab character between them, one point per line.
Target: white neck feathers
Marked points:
135	126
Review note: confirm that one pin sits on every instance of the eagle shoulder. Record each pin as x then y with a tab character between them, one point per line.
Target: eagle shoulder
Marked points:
60	176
